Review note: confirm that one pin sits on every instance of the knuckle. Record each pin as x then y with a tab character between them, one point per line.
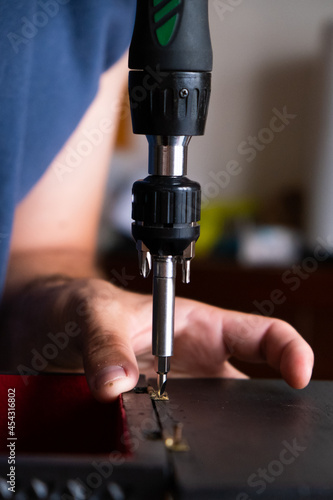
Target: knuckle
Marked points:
89	298
103	344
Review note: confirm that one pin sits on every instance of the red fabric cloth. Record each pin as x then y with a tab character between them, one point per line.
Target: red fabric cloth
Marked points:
57	414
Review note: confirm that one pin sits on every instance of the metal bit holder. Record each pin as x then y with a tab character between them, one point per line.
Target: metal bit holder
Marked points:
157	210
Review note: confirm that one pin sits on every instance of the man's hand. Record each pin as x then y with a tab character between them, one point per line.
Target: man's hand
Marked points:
205	338
109	329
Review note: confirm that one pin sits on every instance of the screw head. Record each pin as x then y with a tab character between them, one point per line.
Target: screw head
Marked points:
183	93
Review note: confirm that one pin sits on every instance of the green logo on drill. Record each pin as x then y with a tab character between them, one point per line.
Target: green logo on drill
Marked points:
165	31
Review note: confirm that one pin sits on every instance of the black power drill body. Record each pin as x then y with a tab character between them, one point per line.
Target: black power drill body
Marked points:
169	86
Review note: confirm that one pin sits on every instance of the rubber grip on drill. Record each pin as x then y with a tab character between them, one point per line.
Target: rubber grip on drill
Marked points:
172	35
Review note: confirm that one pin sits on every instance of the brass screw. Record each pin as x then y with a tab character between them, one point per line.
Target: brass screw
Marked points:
177	432
176	442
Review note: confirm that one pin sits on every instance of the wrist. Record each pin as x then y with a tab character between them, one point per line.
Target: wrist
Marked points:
28	266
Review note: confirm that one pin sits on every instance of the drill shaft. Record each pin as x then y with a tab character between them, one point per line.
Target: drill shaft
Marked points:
164	270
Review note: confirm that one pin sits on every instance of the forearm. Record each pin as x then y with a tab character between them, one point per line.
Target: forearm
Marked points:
56	224
27	266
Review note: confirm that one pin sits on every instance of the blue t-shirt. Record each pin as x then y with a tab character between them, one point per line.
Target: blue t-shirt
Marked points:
52	54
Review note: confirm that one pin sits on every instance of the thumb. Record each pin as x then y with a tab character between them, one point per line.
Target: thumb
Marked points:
110	363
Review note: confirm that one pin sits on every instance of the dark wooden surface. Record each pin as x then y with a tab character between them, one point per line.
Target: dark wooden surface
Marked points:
247	438
307	302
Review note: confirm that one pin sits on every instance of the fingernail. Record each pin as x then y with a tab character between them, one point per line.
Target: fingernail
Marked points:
109	375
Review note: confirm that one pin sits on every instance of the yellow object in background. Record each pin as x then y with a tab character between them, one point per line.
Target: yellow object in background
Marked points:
214	218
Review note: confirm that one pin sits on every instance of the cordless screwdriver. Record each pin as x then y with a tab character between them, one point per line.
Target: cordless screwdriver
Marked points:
170	60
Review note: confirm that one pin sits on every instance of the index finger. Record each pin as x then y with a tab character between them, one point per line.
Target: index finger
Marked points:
251	337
